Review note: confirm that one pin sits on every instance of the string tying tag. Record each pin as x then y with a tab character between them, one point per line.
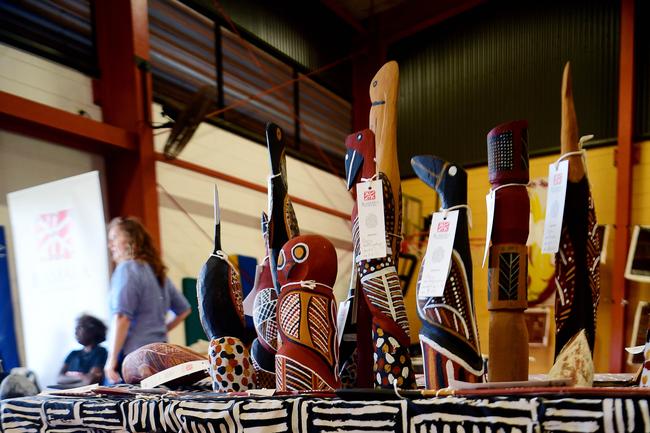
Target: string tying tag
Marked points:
507	185
396	389
490	201
369	179
584	139
564	156
223	256
400	237
456	207
307	284
581	152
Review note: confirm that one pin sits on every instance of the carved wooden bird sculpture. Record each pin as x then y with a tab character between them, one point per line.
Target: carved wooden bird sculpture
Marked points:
577	262
221	311
307	358
265	345
449	335
282	224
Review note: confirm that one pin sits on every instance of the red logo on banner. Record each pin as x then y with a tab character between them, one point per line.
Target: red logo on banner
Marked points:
443	226
557	179
53	233
369	195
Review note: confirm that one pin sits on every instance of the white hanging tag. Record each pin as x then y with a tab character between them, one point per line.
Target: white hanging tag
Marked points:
557	180
344	307
372	232
489	203
249	301
438	255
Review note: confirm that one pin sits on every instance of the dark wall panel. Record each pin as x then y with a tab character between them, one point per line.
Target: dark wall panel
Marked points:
304	31
500	62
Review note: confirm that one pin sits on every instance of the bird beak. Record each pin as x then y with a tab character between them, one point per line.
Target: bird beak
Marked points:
353	163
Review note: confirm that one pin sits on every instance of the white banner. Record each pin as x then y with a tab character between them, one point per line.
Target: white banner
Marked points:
59	241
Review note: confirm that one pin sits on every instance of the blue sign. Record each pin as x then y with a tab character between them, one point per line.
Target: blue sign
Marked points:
8	347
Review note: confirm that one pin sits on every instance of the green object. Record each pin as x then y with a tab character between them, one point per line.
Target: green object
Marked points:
193	329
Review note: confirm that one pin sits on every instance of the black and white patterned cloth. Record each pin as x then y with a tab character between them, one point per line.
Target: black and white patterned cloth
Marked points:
202	413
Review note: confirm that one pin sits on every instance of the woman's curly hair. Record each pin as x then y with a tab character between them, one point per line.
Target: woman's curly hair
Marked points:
95	328
141	244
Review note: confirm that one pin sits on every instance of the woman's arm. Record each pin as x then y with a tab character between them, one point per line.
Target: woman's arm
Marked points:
121	325
178	305
178	319
63	378
93	376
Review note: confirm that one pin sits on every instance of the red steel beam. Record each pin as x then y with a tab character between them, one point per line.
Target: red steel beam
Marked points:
125	94
624	163
52	124
246	184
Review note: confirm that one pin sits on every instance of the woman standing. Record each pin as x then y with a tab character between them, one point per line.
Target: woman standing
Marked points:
141	293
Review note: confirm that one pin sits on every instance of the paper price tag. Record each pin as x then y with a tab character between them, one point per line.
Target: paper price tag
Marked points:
344	307
557	179
438	255
372	232
489	203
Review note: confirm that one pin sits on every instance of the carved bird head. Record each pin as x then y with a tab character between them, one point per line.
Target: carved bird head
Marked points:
507	146
276	146
360	156
448	179
307	257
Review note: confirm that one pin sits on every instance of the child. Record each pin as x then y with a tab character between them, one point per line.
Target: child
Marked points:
86	366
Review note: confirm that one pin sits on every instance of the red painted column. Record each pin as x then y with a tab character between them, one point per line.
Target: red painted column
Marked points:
364	68
125	95
624	163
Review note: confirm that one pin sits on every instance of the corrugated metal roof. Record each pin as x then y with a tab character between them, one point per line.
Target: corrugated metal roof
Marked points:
502	62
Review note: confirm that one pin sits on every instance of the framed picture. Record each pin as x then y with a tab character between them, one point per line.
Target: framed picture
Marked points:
638	257
538	324
641	324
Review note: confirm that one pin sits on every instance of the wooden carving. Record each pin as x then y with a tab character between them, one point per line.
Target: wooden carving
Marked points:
449	335
574	362
307	357
264	316
282	224
508	263
577	262
221	310
384	89
156	357
373	154
359	164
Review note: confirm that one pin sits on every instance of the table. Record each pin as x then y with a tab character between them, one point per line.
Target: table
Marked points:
588	409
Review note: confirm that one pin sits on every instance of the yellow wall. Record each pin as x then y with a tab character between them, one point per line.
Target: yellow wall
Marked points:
602	175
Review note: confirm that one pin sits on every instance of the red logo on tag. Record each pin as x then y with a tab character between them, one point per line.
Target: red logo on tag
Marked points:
369	195
557	179
53	231
443	226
